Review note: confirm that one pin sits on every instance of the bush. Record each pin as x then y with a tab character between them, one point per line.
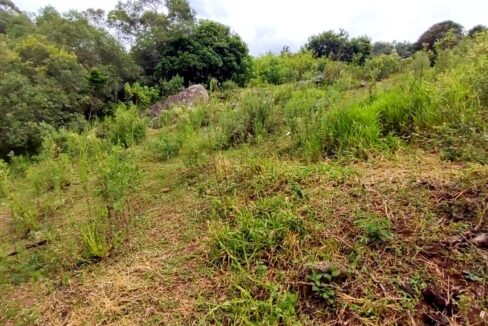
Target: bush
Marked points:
139	95
126	128
165	147
383	66
4	173
254	119
24	213
96	244
49	175
119	176
173	86
333	71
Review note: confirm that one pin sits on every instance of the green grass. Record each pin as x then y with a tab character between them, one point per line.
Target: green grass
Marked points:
275	205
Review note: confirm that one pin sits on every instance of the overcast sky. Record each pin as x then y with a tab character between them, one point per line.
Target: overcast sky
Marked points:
270	24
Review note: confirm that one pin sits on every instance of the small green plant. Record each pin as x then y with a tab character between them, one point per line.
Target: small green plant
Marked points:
278	308
25	215
173	86
118	177
49	175
95	242
322	284
374	229
4	174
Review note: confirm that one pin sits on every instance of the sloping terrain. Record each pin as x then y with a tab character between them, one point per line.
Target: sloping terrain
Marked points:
399	230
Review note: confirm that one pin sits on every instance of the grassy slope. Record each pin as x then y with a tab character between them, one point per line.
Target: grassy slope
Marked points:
164	276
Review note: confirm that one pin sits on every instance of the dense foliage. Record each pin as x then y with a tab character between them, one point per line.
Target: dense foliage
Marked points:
343	184
67	70
338	46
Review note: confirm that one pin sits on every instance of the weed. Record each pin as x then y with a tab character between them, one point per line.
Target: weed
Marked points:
95	242
374	229
278	308
322	284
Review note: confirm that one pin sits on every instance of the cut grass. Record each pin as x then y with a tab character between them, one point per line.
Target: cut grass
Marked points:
163	274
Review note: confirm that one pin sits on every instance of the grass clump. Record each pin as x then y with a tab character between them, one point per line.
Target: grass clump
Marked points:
254	119
257	233
277	307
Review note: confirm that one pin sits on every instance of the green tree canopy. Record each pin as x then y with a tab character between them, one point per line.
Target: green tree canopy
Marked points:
436	33
338	46
209	50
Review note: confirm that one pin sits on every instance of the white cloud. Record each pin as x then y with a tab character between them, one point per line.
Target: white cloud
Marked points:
270	24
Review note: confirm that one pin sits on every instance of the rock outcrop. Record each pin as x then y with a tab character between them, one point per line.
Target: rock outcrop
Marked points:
192	95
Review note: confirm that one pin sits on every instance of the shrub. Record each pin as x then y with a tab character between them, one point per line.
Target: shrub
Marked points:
383	66
126	128
24	213
4	173
165	147
172	86
49	174
139	95
95	242
119	176
333	71
254	119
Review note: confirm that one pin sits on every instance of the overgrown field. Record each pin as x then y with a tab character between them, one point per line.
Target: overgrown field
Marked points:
309	204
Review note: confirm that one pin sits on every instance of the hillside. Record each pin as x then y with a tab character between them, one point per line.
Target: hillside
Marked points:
293	204
342	184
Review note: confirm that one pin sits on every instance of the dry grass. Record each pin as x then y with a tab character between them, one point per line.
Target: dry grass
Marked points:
163	276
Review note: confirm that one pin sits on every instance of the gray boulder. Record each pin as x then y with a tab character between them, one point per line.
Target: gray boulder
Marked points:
192	95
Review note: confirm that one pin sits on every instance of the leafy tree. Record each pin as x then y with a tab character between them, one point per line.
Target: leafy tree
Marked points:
12	20
404	49
209	51
477	29
338	46
359	49
382	48
40	83
9	5
329	44
437	32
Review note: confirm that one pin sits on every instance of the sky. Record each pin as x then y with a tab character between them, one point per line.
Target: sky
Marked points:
268	25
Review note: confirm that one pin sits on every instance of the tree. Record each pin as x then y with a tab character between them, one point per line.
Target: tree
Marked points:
404	49
329	44
209	50
9	5
338	46
144	20
39	83
382	48
359	49
477	29
437	32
